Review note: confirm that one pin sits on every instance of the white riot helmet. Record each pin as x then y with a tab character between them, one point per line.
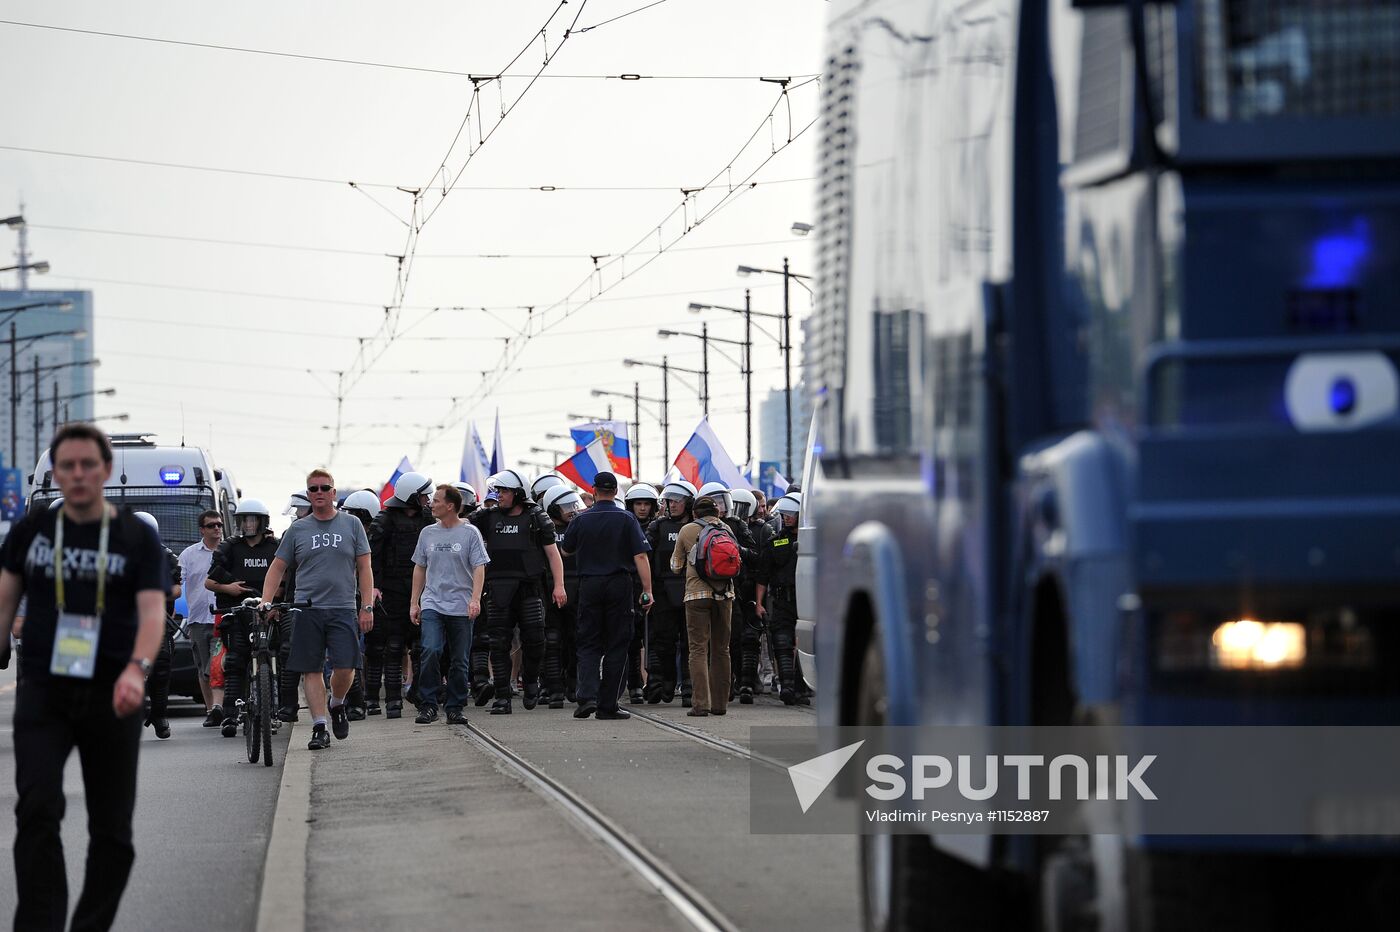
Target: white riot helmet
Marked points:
743	502
149	520
363	500
543	483
509	479
469	499
678	490
641	492
561	501
56	504
720	493
789	504
298	505
251	508
409	485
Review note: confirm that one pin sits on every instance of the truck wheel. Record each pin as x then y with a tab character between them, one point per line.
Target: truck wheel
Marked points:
906	883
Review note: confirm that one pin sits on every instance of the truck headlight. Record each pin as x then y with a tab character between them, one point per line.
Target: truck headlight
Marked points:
1247	644
1321	640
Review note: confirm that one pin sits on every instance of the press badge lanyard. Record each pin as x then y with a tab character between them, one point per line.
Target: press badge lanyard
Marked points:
76	637
102	536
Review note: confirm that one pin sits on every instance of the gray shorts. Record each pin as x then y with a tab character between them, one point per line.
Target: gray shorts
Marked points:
200	636
321	634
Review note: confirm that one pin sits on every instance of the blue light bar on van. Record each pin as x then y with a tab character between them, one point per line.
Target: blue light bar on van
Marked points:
172	475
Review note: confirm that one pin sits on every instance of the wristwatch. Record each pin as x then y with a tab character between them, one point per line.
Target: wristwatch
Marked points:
141	662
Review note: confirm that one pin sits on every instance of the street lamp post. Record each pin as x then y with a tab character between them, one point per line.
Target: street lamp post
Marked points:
558	457
14	399
666	369
39	267
108	392
745	368
637	399
788	275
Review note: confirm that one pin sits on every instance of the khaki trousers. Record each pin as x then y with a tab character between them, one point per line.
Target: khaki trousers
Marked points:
707	630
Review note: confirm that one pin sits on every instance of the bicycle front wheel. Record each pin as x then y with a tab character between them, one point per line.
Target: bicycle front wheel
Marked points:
250	726
264	688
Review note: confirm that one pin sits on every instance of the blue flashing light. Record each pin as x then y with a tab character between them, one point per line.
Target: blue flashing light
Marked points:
1342	396
172	475
1338	256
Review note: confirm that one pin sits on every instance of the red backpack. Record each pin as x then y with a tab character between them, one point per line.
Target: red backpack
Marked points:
715	555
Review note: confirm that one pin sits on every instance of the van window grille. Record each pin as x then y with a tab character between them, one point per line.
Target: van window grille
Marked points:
1267	59
834	195
1103	82
175	508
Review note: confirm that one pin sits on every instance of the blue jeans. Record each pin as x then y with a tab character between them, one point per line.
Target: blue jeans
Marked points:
454	632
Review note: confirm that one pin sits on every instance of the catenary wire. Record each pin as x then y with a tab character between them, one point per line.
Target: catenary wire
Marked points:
374	64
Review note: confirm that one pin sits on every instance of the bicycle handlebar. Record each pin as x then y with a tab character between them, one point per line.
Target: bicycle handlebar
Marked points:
253	602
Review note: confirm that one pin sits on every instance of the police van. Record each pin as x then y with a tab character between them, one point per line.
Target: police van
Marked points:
173	483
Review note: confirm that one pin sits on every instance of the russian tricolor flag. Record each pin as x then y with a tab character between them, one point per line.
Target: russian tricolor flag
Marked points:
583	467
387	492
704	459
614	436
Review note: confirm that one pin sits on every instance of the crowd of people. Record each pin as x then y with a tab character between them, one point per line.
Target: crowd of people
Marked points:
440	598
535	591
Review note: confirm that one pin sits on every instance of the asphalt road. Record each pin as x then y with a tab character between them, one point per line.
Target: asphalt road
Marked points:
203	817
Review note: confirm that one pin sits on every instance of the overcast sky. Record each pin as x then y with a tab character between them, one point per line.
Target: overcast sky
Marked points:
218	337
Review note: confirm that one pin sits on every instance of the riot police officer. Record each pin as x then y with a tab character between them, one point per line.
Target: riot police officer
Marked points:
237	571
559	671
543	483
393	536
642	501
469	502
520	541
777	577
666	626
748	552
364	505
158	682
744	643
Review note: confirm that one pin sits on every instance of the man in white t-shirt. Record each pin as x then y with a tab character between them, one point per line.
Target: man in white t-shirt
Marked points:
194	567
449	570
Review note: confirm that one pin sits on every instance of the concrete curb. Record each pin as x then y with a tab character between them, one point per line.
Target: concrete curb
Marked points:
282	902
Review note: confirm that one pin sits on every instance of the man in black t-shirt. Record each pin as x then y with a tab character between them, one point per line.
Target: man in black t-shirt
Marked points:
91	633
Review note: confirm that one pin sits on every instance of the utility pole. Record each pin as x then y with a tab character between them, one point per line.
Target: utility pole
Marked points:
637	429
14	400
24	266
55	405
787	363
38	409
748	377
665	415
705	368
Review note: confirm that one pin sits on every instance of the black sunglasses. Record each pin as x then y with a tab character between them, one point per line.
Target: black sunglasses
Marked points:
213	524
319	488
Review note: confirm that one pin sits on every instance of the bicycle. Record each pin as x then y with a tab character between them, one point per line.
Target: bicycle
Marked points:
259	722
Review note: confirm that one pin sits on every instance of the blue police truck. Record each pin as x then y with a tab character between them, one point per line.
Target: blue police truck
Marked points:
1106	349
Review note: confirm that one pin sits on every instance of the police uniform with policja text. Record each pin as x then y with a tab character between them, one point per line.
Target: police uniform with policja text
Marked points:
777	570
236	561
393	536
515	544
667	644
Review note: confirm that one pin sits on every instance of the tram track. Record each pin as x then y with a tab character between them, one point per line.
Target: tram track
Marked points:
692	906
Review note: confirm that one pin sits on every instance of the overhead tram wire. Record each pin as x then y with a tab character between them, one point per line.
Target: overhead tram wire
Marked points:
540	318
372	349
374	64
621	16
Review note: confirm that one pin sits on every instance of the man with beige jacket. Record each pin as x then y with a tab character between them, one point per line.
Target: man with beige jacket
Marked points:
707	617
